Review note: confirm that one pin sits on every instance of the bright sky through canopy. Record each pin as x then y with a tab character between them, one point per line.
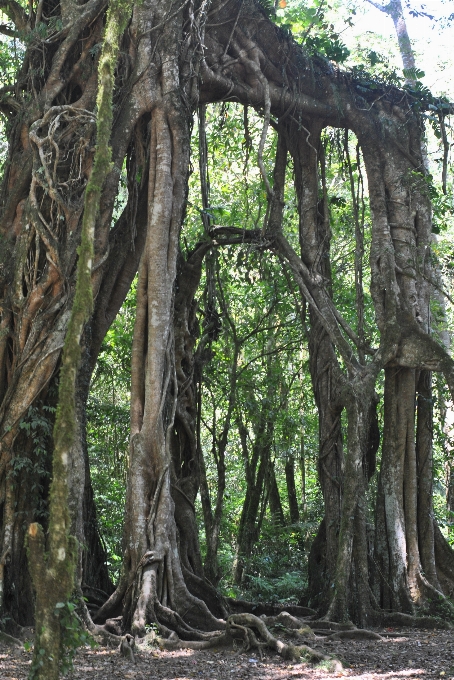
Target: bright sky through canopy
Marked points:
433	40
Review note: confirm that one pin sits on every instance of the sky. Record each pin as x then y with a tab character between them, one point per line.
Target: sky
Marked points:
433	45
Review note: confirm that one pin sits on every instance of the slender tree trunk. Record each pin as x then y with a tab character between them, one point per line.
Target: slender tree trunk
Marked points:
424	458
274	497
291	489
256	467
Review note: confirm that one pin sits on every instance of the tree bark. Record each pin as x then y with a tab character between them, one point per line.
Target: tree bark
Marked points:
291	489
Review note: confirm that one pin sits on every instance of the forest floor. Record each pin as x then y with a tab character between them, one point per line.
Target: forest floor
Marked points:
408	654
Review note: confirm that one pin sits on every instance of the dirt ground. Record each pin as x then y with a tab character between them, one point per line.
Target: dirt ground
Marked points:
403	654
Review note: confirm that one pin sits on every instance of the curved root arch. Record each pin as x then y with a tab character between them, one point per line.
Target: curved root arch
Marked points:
304	95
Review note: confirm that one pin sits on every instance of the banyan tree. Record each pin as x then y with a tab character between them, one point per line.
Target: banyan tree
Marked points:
172	60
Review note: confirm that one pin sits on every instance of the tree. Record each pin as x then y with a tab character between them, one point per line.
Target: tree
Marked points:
171	60
395	11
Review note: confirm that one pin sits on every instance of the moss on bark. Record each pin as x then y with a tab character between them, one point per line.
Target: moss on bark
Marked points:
52	562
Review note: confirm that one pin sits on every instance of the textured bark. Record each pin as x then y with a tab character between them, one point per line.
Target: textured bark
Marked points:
51	151
424	458
450	498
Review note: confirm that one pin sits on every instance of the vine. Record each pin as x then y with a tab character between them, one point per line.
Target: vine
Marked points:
52	566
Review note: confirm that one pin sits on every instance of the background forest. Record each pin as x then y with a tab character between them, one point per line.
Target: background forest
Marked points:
260	502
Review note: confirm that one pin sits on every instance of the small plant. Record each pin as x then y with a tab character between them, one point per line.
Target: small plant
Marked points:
74	634
152	635
37	425
285	589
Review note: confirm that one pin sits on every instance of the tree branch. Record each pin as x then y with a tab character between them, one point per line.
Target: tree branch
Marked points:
7	30
16	14
382	8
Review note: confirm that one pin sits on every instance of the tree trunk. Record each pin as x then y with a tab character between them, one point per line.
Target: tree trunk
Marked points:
315	235
256	469
291	489
51	152
274	497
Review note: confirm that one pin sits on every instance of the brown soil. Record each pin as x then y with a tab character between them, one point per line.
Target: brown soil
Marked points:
405	654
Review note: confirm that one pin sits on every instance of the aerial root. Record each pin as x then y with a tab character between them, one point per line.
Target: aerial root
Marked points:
254	634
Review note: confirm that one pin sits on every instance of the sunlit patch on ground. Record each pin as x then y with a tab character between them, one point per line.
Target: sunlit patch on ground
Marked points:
409	654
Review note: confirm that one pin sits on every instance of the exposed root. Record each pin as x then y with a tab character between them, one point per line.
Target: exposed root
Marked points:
357	634
380	618
243	606
343	631
105	636
104	632
399	619
323	625
10	640
254	634
286	620
174	642
290	625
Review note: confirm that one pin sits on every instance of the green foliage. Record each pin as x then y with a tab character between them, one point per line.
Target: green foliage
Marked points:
108	429
284	589
74	634
309	24
37	426
259	316
268	7
277	571
330	45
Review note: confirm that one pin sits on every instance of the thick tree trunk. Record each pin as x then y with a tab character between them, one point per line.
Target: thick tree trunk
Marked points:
351	599
51	152
152	585
398	442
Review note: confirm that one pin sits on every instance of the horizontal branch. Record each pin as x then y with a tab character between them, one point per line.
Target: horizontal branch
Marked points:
7	30
16	14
